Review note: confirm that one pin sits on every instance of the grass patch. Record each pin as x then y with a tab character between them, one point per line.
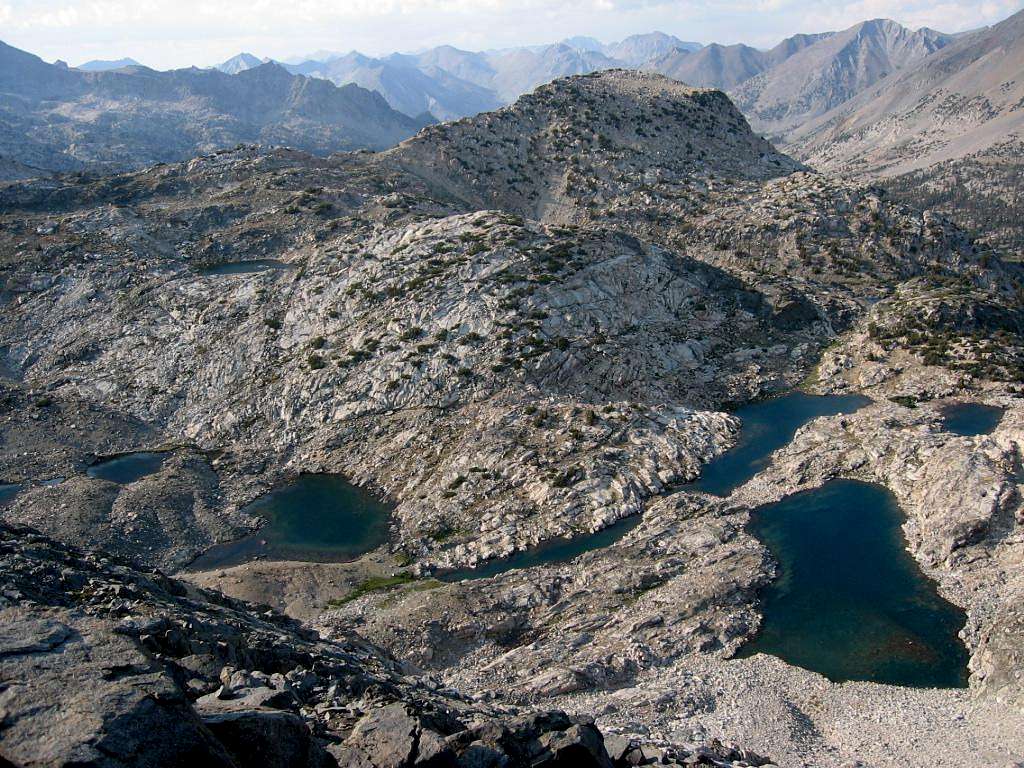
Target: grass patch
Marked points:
372	584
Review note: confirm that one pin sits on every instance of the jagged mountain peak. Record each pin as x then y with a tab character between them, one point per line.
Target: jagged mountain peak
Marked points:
830	71
240	63
961	100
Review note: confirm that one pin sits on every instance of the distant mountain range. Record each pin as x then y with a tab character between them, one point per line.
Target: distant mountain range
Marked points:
779	89
102	65
450	83
875	100
53	118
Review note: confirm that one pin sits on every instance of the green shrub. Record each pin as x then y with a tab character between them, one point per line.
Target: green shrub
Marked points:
372	584
410	334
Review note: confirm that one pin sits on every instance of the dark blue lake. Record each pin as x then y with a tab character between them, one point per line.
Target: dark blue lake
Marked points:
850	602
767	426
8	491
128	467
970	419
316	518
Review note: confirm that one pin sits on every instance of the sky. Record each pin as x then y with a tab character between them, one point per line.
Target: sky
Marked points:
177	33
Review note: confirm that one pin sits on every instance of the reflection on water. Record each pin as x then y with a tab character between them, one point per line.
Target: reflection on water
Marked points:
850	603
316	518
128	467
970	419
767	426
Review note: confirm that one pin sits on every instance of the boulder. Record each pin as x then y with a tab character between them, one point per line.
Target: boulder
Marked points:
268	739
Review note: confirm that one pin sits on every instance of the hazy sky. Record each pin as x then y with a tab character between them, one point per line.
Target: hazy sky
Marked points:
172	33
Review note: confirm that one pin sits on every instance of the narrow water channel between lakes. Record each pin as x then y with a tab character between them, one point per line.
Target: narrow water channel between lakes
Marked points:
766	426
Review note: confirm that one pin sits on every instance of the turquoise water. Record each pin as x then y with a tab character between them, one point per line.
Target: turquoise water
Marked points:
128	467
552	551
316	518
8	492
850	603
970	419
244	267
767	426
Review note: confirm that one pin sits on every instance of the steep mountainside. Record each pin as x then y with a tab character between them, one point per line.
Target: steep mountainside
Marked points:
816	79
961	101
725	67
53	118
982	192
516	327
945	133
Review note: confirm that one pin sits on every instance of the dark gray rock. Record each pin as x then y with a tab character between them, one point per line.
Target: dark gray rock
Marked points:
268	739
100	663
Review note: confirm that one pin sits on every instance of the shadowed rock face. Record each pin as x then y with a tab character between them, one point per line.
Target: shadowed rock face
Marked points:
130	667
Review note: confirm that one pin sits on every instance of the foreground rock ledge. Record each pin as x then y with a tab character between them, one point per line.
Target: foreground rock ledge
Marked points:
105	665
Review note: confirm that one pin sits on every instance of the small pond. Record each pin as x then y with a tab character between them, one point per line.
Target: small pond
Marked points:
316	518
128	467
767	426
559	550
8	491
244	267
850	602
970	419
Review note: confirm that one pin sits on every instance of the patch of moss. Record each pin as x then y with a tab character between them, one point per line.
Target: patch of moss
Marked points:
372	584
